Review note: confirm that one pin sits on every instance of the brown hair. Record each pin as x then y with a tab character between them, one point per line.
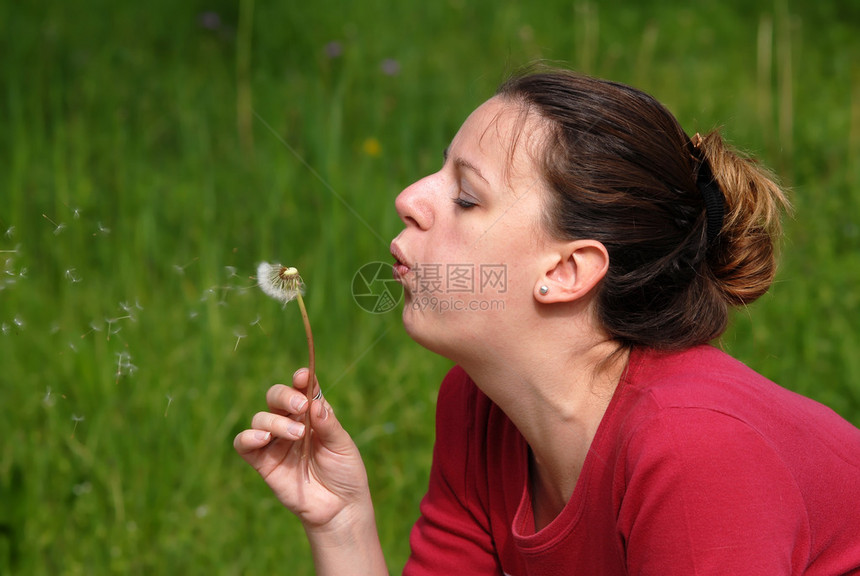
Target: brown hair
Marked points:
625	173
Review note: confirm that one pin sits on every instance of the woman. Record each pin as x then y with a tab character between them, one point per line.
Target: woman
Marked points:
588	427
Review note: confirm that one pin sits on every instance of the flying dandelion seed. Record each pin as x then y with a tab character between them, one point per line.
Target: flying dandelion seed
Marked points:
82	488
101	230
93	328
57	227
256	323
18	321
224	291
180	269
239	335
10	231
211	291
72	276
127	308
76	419
48	399
169	402
111	321
124	365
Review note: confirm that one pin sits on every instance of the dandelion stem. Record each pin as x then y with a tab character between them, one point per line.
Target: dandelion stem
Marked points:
306	441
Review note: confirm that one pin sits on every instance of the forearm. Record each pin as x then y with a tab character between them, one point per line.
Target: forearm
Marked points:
348	546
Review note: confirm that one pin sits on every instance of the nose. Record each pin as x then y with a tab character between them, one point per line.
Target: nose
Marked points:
414	205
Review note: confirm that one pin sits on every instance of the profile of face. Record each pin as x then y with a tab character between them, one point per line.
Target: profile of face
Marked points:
468	254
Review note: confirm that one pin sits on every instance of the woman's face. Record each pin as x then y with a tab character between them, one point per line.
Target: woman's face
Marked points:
466	255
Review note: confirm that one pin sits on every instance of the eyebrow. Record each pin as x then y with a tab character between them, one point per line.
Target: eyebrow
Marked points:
462	163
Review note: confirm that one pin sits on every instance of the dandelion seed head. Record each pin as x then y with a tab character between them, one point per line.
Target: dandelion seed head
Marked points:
282	283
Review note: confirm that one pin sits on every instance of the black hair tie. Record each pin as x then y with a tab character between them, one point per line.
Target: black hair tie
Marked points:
711	194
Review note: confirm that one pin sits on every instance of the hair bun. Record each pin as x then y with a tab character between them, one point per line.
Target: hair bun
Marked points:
743	257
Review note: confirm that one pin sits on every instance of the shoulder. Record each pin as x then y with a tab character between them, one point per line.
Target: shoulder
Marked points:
707	378
703	420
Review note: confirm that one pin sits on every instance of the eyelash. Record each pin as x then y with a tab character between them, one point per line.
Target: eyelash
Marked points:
463	203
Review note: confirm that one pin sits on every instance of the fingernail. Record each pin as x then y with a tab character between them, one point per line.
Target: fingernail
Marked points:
322	412
297	403
262	435
296	429
296	373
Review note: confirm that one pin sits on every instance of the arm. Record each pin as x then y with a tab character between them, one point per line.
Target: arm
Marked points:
335	506
453	534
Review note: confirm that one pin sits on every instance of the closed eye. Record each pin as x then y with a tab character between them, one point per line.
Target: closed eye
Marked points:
463	203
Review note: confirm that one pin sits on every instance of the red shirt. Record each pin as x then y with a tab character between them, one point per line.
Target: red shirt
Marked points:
699	466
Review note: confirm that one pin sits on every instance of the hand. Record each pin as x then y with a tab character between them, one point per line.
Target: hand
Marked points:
337	490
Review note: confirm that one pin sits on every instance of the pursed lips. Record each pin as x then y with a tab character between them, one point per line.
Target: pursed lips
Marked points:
401	264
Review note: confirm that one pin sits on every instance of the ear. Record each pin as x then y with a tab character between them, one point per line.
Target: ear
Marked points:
573	271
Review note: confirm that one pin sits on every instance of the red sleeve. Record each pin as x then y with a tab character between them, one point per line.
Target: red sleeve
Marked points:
706	494
452	536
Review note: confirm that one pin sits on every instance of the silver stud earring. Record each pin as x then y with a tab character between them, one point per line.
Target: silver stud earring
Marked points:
544	290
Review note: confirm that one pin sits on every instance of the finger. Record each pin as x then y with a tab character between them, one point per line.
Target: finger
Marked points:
249	440
280	426
300	380
285	400
327	429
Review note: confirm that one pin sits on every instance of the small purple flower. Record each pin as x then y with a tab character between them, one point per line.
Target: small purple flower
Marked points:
333	49
390	67
209	20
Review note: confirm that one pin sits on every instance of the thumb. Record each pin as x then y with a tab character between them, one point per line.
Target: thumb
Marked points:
327	429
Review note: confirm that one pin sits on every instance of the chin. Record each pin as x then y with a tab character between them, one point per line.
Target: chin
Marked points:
429	335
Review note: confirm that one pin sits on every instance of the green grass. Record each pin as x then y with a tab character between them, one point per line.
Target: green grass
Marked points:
148	163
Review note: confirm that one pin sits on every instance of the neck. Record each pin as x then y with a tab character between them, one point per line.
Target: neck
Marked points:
556	399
